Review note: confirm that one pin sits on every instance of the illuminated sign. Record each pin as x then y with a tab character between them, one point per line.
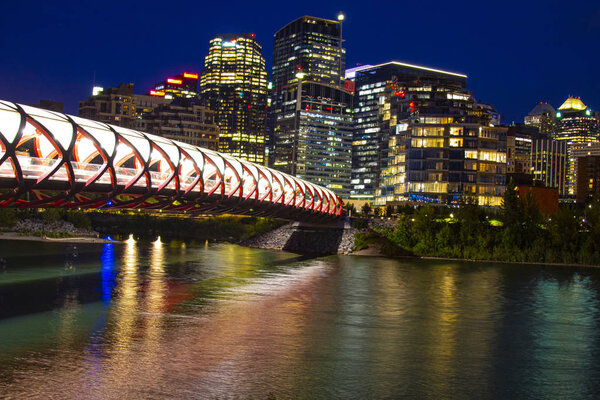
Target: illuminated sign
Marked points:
174	81
190	75
399	93
157	93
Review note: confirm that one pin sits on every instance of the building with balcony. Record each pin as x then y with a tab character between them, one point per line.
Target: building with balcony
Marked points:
443	146
114	106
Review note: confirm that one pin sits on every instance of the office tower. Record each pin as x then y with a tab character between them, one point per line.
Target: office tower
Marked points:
184	120
575	124
542	116
234	84
114	106
312	111
442	146
549	164
519	141
184	85
350	77
377	89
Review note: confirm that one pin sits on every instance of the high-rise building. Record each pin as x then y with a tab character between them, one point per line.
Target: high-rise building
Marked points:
575	124
377	89
542	116
234	84
549	165
184	85
518	152
114	106
442	145
184	120
312	110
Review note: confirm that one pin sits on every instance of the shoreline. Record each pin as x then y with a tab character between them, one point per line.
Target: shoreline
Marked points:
376	252
74	239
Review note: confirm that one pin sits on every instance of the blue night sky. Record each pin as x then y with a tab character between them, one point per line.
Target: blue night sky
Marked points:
516	53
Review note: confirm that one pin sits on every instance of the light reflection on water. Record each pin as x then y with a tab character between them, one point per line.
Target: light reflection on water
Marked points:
182	320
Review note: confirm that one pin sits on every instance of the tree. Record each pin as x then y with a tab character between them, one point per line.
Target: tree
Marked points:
366	209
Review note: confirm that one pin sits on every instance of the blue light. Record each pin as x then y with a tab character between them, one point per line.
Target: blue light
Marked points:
109	203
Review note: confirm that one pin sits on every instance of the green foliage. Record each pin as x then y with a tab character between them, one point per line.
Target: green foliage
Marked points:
8	217
220	227
50	215
79	219
366	209
525	235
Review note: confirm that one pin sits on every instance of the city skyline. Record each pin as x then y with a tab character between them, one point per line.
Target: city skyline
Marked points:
485	46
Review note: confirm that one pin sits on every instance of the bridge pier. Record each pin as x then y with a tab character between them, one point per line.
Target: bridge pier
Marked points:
333	237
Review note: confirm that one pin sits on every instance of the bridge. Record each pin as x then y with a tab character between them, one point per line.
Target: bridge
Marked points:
49	159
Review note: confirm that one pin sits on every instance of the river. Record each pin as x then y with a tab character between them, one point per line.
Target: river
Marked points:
141	320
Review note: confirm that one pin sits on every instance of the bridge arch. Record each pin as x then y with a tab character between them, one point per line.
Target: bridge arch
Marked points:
49	159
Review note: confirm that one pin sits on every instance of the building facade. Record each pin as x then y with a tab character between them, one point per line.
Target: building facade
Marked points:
588	178
183	120
234	85
184	85
114	106
442	147
378	90
575	125
312	110
542	117
549	164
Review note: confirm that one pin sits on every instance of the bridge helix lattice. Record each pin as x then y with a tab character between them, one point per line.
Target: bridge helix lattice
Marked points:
49	159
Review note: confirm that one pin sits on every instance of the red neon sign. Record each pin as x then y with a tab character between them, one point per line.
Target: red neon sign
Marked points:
399	93
174	81
190	75
412	106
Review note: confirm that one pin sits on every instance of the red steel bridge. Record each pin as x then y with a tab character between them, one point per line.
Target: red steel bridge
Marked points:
49	159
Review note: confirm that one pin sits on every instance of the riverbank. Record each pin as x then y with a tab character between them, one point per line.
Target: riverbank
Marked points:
374	246
74	239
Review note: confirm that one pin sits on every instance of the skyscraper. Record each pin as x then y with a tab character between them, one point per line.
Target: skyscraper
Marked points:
575	124
542	116
312	111
234	84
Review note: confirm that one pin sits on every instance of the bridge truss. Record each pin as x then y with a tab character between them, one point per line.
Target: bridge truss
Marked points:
49	159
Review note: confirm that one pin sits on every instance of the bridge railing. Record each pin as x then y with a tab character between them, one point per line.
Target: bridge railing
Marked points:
49	159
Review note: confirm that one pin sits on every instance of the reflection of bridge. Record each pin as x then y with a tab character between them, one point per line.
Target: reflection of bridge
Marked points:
48	159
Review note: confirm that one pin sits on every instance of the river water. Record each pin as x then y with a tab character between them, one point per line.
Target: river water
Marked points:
179	320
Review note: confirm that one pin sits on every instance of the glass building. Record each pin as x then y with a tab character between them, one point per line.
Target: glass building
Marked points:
443	145
234	85
575	124
312	111
375	88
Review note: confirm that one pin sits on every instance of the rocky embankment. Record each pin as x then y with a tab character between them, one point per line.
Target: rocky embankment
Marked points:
58	228
307	239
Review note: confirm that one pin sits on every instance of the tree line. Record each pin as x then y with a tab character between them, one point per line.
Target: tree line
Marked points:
517	231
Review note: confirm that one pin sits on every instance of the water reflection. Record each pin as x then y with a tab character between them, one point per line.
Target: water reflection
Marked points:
179	321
